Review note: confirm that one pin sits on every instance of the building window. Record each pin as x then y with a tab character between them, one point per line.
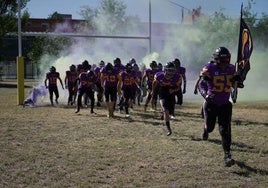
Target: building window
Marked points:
28	24
45	25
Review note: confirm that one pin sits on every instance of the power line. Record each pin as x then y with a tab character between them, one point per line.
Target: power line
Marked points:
182	9
179	5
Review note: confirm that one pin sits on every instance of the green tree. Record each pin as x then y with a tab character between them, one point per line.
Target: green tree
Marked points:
49	45
109	18
261	32
221	30
8	17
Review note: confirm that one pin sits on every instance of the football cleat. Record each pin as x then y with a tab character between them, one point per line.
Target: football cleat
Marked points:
169	132
228	159
205	135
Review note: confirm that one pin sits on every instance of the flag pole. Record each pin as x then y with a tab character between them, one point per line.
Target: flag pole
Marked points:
240	27
235	89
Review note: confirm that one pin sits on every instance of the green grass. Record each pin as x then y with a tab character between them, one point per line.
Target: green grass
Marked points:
49	146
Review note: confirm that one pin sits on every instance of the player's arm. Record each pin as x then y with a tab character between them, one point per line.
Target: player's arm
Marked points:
143	78
45	82
202	86
61	82
102	80
119	84
66	81
154	86
184	83
196	85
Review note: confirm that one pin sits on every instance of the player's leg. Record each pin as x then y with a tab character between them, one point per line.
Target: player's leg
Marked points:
225	116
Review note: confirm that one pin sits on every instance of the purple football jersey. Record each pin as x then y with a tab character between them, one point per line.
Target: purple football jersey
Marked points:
219	81
167	82
85	81
150	76
109	79
71	77
52	79
128	79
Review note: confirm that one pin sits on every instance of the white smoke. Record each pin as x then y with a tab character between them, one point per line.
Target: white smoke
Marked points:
179	41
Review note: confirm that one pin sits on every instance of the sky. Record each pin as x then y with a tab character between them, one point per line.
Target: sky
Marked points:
161	10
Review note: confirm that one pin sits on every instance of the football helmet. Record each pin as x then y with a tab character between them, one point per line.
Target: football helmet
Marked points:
170	69
109	67
101	63
117	61
132	61
128	67
153	65
222	55
177	62
52	69
72	68
90	73
135	67
160	66
86	65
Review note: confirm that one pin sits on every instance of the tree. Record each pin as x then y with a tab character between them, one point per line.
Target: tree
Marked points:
8	16
51	46
109	18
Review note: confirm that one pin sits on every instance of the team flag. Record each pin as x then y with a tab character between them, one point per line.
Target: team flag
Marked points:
245	48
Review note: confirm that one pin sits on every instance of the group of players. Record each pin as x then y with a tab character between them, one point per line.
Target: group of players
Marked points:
121	85
113	81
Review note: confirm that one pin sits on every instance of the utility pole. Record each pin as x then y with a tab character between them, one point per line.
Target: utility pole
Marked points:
150	28
20	62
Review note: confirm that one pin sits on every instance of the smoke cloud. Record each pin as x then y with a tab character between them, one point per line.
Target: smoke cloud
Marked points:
174	41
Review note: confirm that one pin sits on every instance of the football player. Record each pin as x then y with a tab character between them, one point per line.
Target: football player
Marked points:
215	86
168	83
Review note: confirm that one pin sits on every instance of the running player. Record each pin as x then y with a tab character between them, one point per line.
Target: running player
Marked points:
97	73
109	80
182	72
126	84
70	84
51	77
149	75
168	82
86	85
215	86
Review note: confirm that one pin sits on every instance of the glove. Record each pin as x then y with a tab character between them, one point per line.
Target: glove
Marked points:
209	98
184	91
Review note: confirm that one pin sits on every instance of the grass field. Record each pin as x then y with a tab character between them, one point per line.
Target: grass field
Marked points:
48	146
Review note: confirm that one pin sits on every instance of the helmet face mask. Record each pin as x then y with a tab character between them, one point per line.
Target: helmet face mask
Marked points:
222	56
72	68
153	65
90	73
177	63
132	61
170	69
136	67
160	66
102	63
52	69
117	61
128	68
109	68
